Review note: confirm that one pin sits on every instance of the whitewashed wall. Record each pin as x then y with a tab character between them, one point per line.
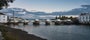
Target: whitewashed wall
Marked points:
84	18
3	19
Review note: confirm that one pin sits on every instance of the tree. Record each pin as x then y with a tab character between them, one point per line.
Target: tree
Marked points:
5	3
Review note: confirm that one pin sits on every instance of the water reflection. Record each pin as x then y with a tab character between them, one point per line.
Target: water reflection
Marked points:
59	32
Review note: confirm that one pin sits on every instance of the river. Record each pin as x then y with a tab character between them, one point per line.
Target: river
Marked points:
60	32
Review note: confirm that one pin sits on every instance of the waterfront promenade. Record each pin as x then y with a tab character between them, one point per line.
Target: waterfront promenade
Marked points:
16	34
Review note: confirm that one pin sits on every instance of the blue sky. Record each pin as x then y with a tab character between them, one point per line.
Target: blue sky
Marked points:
48	5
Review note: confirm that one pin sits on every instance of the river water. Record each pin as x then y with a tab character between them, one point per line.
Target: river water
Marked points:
60	32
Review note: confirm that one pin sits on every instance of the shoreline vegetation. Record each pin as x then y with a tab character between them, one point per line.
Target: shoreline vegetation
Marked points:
9	33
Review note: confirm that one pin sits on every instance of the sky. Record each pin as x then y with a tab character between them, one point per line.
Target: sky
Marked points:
48	5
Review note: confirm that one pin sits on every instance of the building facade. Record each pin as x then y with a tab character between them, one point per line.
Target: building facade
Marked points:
3	18
84	18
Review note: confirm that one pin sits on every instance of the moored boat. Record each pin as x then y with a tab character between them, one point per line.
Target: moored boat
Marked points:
58	22
36	22
47	22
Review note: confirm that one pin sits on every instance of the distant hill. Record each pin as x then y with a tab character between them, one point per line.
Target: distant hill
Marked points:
42	15
76	11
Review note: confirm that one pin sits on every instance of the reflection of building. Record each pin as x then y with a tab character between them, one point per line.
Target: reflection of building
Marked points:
84	18
3	18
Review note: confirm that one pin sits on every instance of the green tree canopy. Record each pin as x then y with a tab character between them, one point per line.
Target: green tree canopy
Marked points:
5	3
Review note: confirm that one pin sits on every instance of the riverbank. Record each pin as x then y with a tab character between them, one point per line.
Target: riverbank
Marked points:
17	34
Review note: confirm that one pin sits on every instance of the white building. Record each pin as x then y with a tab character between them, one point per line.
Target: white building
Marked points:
3	18
84	18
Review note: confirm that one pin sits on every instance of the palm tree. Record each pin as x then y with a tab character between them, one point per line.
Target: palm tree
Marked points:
5	3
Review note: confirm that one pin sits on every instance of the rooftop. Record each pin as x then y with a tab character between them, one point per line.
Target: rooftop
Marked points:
84	14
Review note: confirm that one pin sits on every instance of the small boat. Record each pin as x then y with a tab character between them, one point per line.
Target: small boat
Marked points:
67	22
36	22
25	22
15	22
58	22
47	22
